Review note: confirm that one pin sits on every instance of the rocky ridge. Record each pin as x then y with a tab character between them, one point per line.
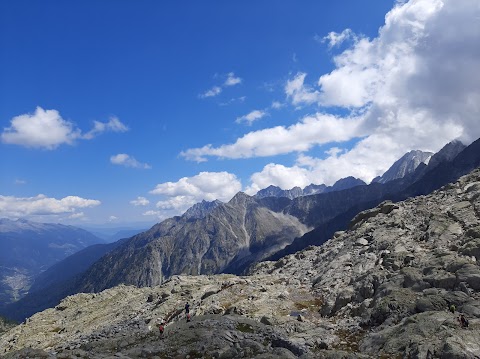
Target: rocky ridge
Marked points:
383	288
404	166
312	189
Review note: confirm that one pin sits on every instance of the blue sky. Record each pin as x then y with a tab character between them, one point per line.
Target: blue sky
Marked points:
128	111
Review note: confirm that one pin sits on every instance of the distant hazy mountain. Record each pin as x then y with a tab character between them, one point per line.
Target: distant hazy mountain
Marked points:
57	282
345	183
28	248
341	184
113	234
405	165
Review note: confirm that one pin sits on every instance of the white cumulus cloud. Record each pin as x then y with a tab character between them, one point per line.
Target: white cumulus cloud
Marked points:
299	93
11	206
42	129
281	176
128	161
300	137
179	196
47	129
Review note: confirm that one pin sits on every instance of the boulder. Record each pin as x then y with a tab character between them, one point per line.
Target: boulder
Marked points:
431	303
470	274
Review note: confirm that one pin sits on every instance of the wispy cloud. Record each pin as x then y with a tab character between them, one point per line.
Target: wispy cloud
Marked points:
128	161
78	215
214	91
47	129
251	117
140	201
230	80
277	105
299	93
336	39
113	125
240	99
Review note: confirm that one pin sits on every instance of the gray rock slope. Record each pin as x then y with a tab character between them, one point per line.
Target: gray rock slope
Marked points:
382	289
28	248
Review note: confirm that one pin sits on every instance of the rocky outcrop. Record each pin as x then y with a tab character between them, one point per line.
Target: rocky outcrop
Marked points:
393	285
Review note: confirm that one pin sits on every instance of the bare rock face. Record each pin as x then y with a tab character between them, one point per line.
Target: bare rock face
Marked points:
394	285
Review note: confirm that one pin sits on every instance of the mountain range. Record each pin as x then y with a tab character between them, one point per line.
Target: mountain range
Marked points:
394	284
341	184
230	237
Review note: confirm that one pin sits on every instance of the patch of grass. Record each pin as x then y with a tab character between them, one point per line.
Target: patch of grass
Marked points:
313	305
245	328
349	340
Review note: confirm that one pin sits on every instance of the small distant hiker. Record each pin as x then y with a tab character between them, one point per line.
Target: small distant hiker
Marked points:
187	308
452	308
161	328
463	321
188	317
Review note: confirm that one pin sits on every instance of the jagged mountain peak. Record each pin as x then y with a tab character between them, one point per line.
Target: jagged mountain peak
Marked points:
447	153
295	192
241	198
407	164
201	209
